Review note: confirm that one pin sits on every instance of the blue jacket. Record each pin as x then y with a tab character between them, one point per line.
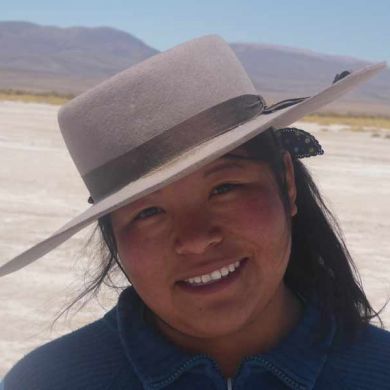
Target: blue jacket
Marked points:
121	351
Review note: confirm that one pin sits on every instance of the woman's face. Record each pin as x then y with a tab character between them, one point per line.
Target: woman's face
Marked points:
207	254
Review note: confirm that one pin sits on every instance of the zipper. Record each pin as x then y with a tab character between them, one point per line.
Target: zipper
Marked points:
229	384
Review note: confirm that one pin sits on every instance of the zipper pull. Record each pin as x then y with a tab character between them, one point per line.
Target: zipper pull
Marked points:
229	384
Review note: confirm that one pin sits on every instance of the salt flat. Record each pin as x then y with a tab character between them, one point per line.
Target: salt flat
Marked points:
40	190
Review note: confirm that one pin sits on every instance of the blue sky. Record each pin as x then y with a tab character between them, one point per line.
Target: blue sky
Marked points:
357	28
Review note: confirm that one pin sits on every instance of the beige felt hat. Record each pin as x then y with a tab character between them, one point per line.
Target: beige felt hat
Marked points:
162	119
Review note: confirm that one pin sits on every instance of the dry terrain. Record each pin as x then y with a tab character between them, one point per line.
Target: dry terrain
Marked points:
40	190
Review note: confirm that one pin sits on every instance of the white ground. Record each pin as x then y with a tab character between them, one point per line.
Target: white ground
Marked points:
40	190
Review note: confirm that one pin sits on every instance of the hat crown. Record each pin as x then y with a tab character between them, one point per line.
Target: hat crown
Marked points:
149	98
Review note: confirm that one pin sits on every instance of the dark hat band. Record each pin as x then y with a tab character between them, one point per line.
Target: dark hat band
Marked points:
208	124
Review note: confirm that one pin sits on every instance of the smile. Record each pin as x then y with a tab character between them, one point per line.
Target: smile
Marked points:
213	276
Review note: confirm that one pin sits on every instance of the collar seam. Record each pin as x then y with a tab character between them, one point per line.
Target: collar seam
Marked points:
171	377
290	379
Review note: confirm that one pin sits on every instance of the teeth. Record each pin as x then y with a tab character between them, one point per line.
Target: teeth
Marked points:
205	278
224	271
215	275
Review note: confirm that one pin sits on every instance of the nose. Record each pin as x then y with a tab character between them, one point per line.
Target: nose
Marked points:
195	233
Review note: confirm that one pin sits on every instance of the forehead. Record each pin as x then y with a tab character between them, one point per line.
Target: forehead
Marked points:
230	161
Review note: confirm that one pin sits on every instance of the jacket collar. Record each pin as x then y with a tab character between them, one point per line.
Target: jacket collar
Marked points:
299	358
296	361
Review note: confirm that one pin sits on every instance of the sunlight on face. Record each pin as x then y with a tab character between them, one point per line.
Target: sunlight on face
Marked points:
226	219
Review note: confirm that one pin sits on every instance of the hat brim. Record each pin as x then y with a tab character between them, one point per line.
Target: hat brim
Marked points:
189	162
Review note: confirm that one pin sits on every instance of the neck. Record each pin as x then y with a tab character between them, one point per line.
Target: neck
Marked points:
260	335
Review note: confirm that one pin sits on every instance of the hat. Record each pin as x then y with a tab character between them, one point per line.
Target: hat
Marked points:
162	119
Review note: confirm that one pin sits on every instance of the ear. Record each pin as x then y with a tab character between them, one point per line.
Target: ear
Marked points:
290	181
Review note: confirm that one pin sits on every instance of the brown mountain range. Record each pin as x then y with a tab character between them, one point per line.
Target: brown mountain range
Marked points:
70	60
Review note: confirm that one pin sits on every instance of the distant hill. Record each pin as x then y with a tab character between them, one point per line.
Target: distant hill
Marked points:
66	60
70	60
284	72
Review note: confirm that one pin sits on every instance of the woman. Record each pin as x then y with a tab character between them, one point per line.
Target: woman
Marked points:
238	276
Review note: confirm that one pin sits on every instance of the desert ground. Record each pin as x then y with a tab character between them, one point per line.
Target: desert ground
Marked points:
40	190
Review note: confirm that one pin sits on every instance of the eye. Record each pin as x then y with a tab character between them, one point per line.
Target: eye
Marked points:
224	188
147	213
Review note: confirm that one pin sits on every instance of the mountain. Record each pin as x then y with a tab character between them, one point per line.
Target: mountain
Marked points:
66	60
284	72
70	60
72	51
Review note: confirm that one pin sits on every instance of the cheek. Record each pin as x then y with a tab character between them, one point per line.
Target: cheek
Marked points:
259	213
259	220
142	258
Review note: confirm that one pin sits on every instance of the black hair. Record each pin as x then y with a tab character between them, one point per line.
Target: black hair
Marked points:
320	265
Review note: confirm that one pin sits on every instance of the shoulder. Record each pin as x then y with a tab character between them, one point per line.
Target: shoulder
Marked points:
371	348
364	363
89	358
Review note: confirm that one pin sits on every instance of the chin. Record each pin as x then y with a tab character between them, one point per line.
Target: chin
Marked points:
216	326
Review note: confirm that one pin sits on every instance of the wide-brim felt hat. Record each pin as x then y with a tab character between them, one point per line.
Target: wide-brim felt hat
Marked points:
164	118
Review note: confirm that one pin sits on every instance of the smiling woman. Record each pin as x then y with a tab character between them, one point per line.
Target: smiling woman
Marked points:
238	275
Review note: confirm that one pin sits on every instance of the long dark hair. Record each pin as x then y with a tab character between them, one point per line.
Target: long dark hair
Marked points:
320	265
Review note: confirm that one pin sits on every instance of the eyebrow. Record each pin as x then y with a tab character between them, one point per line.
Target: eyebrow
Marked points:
223	166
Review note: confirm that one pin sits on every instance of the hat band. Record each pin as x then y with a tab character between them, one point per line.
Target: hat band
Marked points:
117	173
